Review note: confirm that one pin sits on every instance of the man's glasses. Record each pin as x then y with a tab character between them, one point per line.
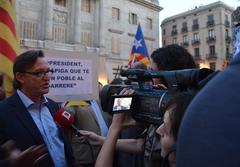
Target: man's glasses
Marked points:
40	74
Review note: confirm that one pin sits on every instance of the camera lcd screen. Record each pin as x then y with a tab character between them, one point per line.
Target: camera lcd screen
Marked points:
122	104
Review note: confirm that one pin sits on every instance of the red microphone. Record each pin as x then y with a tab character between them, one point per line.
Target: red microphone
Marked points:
65	119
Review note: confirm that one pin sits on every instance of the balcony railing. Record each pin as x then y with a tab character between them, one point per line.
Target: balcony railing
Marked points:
197	58
185	44
211	56
184	29
228	39
174	32
210	23
211	39
195	27
196	42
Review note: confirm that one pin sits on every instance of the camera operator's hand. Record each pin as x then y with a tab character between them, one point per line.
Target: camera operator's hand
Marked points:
126	91
160	86
122	120
27	158
91	137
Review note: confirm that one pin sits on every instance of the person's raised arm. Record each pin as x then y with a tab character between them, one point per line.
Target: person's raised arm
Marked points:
120	121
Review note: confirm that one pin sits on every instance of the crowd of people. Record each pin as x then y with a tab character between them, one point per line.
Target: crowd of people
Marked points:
30	137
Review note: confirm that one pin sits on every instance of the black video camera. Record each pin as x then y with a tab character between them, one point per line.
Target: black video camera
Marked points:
146	104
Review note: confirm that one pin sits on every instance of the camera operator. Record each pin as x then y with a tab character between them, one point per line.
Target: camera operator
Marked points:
171	57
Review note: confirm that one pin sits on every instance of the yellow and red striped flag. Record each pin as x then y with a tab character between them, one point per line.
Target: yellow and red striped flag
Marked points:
9	42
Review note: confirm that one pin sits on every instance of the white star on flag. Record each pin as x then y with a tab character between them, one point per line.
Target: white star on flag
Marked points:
137	43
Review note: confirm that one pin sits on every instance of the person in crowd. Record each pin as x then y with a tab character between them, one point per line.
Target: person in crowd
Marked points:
15	158
209	134
168	130
26	116
100	86
171	57
88	115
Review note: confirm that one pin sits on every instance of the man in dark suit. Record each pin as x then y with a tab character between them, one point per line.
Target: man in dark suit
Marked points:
26	116
209	135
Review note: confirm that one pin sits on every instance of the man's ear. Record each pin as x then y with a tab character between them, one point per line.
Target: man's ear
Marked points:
19	77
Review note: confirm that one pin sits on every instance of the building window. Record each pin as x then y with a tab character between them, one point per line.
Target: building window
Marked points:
196	52
164	42
212	66
115	13
211	50
211	33
184	27
195	25
196	36
174	29
86	38
59	34
61	3
195	22
133	18
210	17
29	30
116	45
210	21
227	23
149	23
85	5
227	33
227	51
185	39
174	41
164	31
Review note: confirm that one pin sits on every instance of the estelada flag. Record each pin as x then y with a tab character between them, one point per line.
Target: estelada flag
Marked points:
139	51
9	42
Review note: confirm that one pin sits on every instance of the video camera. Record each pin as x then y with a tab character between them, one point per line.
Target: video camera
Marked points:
147	104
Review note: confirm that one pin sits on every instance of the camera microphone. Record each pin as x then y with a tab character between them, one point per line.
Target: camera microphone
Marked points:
65	119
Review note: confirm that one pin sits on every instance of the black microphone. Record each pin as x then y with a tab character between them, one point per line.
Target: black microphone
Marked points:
65	119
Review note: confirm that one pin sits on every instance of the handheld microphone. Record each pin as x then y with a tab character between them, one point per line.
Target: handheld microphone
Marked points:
65	119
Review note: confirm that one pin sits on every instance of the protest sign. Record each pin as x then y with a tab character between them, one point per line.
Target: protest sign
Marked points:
74	75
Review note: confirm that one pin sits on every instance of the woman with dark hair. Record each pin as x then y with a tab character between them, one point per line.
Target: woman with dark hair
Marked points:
168	131
171	57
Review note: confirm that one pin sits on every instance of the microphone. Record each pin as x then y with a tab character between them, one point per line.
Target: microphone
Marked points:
65	119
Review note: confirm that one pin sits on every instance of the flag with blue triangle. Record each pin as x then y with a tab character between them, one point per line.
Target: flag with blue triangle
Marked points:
139	51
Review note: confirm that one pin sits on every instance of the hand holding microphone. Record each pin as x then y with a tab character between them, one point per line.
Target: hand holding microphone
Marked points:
65	119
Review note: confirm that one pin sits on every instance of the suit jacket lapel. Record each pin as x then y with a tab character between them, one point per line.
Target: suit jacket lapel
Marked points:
23	115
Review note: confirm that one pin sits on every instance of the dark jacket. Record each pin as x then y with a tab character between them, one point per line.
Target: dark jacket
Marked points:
17	124
209	135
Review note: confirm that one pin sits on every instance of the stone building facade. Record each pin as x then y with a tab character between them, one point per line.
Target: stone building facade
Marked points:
204	31
106	27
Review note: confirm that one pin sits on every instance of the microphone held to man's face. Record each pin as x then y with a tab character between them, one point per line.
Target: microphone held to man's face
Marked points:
65	120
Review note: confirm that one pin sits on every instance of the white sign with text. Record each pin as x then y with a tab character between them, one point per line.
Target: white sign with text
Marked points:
74	75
